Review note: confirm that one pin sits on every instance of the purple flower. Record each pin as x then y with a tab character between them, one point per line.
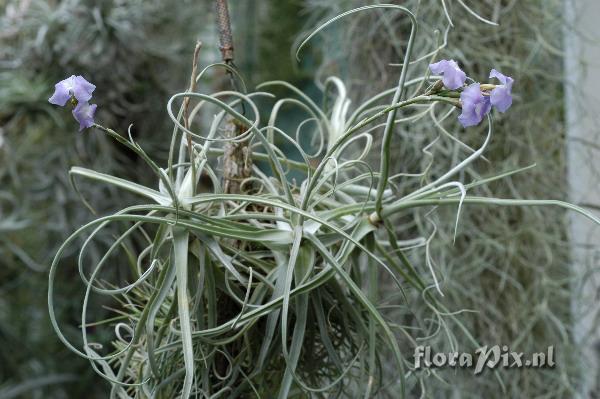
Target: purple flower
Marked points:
78	91
501	96
474	105
74	86
84	114
452	76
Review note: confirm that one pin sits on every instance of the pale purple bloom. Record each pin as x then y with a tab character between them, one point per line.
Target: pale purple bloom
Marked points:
84	114
452	76
74	86
78	91
501	96
474	105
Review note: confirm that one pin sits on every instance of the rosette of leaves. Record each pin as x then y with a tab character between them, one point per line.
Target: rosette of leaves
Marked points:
272	290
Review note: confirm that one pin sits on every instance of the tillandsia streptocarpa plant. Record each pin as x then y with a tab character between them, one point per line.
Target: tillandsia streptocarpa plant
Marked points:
254	274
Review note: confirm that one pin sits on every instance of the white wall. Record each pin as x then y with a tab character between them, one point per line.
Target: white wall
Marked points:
582	68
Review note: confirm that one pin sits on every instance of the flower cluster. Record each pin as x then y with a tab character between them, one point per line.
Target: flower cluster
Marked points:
476	101
78	92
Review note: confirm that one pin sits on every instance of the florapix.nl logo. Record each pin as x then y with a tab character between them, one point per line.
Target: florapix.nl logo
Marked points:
484	357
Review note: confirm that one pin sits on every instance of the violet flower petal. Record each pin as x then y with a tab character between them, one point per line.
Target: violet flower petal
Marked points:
474	106
501	96
452	76
73	86
62	92
82	89
84	114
